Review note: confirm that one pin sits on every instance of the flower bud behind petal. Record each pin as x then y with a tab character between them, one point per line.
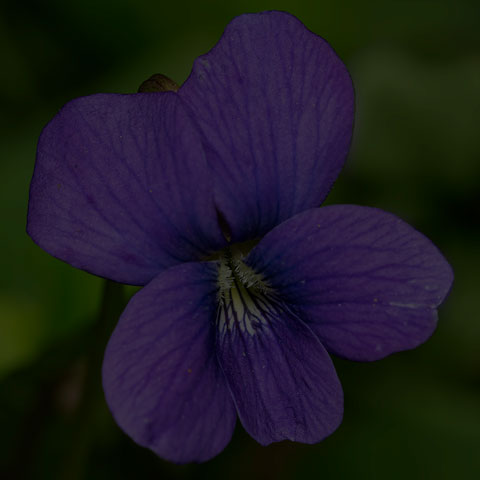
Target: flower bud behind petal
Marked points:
158	83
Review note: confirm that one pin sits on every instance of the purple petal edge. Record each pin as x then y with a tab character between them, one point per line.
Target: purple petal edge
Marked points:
109	192
367	283
161	377
282	380
275	105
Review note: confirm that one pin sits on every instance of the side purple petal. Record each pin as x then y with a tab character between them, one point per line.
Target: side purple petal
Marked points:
275	105
121	187
161	377
282	380
366	282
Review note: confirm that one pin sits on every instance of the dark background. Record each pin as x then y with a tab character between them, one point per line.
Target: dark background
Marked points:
416	70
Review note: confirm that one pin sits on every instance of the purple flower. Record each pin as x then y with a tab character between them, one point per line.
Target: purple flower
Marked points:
210	197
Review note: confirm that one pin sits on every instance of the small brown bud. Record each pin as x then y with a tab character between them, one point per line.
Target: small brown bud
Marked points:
158	83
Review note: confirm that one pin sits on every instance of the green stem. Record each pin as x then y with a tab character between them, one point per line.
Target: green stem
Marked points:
77	452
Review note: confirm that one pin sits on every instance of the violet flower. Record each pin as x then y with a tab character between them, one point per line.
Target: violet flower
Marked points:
210	197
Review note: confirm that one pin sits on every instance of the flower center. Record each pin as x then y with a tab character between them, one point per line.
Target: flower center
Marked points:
242	295
234	273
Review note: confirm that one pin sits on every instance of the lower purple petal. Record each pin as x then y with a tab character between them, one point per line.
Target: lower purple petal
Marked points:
283	381
161	377
367	283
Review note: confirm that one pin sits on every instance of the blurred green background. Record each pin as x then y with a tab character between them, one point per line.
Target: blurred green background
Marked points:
416	70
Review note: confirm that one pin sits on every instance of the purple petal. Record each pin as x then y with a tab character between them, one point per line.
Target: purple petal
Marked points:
275	104
121	187
161	377
367	283
283	381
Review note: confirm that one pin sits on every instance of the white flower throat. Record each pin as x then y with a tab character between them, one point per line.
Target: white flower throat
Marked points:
244	304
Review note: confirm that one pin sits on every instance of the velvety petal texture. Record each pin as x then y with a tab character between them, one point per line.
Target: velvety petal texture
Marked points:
282	379
121	187
366	283
275	105
143	188
161	377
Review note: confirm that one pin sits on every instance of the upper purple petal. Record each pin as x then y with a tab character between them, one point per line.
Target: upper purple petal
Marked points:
161	376
366	282
275	105
121	187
